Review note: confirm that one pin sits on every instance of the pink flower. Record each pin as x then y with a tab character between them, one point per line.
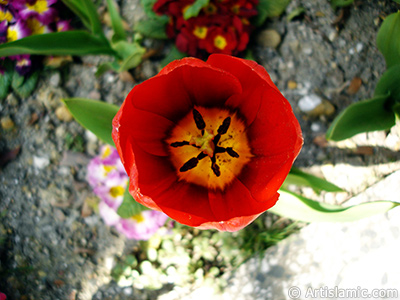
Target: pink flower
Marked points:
3	296
63	25
24	64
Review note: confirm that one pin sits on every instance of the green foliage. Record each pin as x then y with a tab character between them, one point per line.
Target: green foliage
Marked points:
129	207
74	142
152	28
296	207
364	116
116	22
148	8
341	3
194	9
269	9
300	178
388	39
76	42
95	116
24	85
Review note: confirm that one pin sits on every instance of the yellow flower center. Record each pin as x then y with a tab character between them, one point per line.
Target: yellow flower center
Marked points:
235	8
5	15
138	218
108	169
39	6
209	147
117	191
12	35
4	2
106	152
35	26
200	31
220	42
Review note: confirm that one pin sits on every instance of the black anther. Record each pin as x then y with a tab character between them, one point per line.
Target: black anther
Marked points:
179	144
225	126
232	152
190	164
198	119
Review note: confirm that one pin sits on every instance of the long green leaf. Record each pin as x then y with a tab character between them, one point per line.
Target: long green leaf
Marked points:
129	207
95	116
75	42
388	39
94	18
78	8
134	59
194	9
364	116
300	178
116	22
296	207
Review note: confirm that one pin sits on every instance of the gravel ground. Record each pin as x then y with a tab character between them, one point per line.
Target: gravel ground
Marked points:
53	246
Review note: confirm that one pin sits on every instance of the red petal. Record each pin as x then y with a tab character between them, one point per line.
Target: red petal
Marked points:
263	176
253	78
275	130
231	225
237	201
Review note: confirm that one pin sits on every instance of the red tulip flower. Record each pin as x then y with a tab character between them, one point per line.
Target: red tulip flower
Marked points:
207	143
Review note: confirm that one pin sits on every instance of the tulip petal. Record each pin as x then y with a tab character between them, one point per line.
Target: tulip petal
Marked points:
236	200
253	78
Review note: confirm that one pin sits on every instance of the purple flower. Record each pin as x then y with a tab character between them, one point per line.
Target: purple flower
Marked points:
64	25
37	27
143	225
5	14
23	65
107	177
17	31
39	9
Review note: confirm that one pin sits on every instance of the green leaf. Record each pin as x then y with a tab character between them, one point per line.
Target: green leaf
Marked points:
148	8
91	12
152	28
129	207
364	116
389	84
108	66
341	3
74	42
79	9
295	13
388	39
296	207
174	54
300	178
134	59
269	9
397	1
5	79
95	116
24	85
116	22
193	10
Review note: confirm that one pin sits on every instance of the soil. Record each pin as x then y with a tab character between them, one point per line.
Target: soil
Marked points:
54	246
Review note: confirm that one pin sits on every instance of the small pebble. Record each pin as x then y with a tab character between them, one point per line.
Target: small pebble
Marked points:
7	123
40	162
269	38
354	86
292	84
63	114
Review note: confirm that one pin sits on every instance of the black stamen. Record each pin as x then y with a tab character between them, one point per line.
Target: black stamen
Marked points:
225	126
201	156
198	119
190	164
219	149
179	144
215	167
232	152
